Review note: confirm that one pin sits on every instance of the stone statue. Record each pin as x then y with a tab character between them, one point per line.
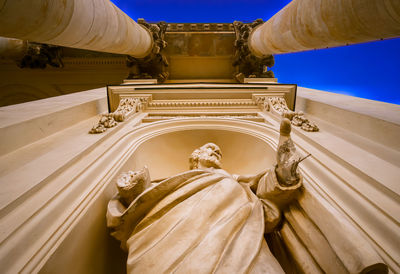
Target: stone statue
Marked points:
202	220
206	220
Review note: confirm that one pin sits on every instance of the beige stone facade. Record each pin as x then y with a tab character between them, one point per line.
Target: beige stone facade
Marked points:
57	178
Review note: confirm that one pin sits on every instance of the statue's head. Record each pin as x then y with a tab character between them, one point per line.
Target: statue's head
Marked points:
208	155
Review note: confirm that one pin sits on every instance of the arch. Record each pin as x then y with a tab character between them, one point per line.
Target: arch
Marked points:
165	146
167	154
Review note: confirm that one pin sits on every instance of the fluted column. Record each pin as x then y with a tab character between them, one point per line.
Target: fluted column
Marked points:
86	24
315	24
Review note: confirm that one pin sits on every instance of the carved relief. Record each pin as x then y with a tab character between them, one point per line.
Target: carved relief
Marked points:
170	213
126	107
262	102
155	64
247	64
299	120
279	106
106	121
40	55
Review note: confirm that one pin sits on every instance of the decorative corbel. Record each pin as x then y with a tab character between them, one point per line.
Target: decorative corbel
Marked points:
247	64
261	101
154	65
126	107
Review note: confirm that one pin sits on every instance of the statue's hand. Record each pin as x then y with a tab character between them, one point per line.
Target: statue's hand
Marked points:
288	160
131	184
287	174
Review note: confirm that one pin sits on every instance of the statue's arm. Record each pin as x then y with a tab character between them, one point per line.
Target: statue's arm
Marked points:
280	182
250	180
279	186
130	185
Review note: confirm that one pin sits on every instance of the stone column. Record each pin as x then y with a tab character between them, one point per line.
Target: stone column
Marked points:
12	48
315	24
86	24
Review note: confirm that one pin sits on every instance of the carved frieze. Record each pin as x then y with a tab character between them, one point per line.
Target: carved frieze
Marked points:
247	64
155	64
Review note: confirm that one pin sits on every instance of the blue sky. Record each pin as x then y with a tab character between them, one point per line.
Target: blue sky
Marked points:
369	70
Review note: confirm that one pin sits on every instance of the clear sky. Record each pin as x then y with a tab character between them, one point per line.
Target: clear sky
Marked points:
369	70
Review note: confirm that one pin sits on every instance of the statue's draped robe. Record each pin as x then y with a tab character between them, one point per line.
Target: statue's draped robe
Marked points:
201	222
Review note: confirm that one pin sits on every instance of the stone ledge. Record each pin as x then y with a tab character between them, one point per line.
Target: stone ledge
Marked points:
29	122
376	121
379	110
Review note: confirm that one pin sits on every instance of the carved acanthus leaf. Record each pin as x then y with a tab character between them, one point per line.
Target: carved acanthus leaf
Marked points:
155	64
247	64
126	107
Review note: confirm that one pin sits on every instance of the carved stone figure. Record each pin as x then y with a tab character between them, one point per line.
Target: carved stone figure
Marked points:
208	221
204	220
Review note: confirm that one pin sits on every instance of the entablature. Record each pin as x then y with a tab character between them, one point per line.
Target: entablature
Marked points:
201	95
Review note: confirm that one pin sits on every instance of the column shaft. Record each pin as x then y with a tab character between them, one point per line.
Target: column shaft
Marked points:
86	24
315	24
12	48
